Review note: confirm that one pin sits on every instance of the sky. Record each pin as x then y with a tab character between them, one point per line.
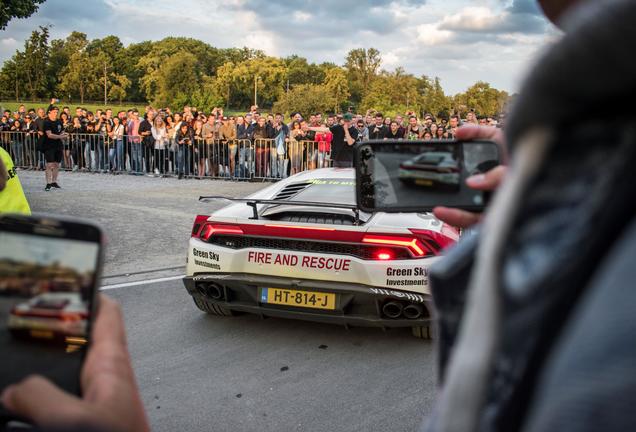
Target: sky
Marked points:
461	41
79	255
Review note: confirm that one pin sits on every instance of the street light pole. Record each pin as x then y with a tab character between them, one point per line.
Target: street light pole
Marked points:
255	89
105	87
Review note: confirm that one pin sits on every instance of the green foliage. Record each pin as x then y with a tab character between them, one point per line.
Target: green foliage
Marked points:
392	93
17	9
178	70
337	86
362	66
485	100
33	62
180	79
305	98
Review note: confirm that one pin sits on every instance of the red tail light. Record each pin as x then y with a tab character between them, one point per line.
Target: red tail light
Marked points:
210	229
414	245
384	255
199	221
438	241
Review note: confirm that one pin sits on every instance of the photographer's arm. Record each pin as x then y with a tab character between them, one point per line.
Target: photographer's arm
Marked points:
111	400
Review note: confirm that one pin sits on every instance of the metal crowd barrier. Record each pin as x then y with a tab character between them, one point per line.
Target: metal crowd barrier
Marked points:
263	159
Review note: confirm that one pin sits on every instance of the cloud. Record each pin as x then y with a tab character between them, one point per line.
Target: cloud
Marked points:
460	41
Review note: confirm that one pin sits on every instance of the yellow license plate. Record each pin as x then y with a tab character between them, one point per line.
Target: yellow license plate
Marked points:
423	182
41	334
306	299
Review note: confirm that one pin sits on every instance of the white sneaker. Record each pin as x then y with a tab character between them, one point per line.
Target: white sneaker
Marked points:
156	171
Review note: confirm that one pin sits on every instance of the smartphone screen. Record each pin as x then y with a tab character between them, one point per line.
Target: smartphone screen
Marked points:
416	176
47	288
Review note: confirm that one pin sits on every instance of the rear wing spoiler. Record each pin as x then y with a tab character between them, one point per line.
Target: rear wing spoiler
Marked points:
254	202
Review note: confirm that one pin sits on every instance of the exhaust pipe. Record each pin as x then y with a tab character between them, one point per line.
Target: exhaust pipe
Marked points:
392	309
413	311
211	290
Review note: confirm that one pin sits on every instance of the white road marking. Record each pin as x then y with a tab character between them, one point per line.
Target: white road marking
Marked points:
142	282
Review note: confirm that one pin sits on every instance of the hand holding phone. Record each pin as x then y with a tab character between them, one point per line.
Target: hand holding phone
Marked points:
397	176
46	317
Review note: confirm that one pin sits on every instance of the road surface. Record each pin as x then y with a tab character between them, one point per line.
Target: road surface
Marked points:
200	373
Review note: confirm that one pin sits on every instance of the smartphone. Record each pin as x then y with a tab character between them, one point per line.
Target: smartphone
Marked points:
49	268
395	176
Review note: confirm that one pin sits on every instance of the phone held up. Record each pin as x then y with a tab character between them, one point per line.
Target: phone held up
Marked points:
49	269
395	176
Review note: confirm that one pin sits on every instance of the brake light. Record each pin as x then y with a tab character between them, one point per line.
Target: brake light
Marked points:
384	255
414	245
199	221
210	229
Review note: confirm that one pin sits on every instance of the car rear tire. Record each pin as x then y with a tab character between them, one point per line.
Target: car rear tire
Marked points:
212	308
422	332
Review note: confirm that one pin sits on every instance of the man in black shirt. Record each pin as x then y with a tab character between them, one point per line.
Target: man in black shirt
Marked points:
145	131
344	137
52	147
378	130
39	126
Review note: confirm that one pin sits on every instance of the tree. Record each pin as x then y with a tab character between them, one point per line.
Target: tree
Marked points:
269	73
481	97
433	99
78	77
180	80
337	86
393	93
34	62
118	87
305	98
362	66
17	9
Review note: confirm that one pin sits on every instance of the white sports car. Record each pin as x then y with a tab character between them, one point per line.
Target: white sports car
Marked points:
301	249
49	315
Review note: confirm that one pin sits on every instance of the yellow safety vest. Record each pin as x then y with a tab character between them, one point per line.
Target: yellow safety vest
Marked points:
12	199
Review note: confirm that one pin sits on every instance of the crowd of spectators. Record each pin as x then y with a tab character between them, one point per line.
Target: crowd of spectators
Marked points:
191	143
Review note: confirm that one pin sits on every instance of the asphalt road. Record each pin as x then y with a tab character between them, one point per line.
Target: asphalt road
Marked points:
200	373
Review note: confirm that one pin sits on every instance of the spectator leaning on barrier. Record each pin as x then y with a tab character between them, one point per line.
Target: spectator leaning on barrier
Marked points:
145	131
117	135
184	138
244	131
378	130
161	144
39	124
210	134
280	133
134	141
227	135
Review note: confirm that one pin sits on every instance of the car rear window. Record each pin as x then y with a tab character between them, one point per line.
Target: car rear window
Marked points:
55	304
340	191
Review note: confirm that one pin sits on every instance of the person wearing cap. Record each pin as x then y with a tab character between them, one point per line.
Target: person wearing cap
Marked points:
344	137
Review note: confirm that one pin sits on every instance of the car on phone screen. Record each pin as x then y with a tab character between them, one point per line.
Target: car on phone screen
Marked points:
301	249
431	169
50	315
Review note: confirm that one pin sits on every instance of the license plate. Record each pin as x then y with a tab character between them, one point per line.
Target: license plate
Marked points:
306	299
